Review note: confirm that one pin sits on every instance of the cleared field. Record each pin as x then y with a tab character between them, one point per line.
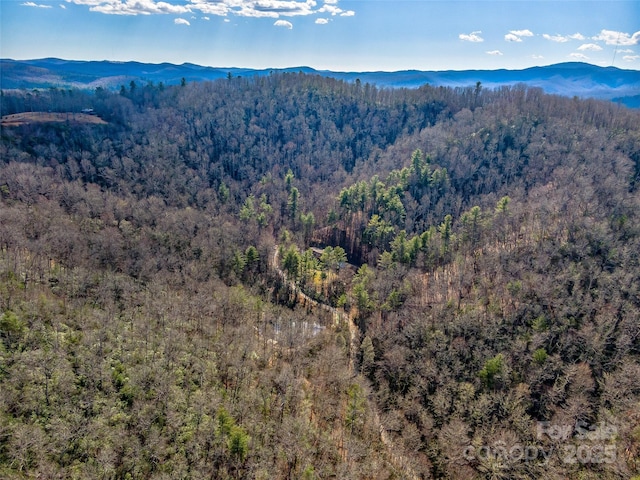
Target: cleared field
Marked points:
24	118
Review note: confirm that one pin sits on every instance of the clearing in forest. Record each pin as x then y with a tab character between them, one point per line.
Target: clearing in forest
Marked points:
24	118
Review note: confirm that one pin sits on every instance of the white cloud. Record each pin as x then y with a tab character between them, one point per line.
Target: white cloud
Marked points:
132	7
563	38
210	8
611	37
330	8
64	7
592	47
494	52
242	8
626	50
283	23
205	18
516	35
471	37
537	57
555	38
578	56
522	33
327	8
631	58
32	4
321	21
275	7
181	21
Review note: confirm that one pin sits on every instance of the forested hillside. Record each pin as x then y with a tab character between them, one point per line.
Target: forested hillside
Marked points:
178	286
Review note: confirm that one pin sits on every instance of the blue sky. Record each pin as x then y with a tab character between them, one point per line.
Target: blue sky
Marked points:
341	35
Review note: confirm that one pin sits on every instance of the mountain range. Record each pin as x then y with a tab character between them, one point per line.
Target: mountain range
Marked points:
567	79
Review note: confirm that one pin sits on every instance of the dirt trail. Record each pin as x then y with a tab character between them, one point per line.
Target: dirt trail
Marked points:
399	462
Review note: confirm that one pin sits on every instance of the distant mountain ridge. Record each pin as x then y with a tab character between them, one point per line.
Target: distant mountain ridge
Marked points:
568	79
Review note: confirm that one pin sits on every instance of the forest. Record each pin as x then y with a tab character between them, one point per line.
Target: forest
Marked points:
297	277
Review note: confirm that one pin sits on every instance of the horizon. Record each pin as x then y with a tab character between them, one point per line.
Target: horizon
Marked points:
293	67
330	35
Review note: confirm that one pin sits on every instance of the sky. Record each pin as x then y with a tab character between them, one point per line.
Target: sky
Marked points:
338	35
